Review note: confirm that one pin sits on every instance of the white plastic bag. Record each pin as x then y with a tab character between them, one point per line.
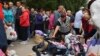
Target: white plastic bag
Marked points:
11	34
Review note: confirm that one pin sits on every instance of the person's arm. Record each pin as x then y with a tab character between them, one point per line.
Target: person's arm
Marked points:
23	18
55	32
81	29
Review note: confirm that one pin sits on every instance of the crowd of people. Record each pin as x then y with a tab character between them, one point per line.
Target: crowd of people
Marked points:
25	21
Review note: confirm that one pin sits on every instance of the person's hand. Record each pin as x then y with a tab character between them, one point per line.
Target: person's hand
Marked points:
12	33
81	36
9	24
53	36
72	24
80	30
5	26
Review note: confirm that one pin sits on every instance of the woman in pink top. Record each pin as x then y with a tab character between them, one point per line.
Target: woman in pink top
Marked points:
51	21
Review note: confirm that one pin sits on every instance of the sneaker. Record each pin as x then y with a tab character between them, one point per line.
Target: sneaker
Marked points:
23	42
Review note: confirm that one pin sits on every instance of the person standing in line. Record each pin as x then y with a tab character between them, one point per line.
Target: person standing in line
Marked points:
78	22
57	13
12	7
24	25
39	21
51	22
69	13
32	21
45	15
17	18
8	17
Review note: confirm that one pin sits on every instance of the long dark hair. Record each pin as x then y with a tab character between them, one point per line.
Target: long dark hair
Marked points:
89	4
6	4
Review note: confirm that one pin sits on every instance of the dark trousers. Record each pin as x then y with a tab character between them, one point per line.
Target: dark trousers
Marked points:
88	35
39	27
3	39
46	23
9	42
17	28
32	29
77	31
24	33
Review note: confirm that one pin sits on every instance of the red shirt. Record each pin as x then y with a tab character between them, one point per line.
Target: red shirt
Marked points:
86	26
1	12
24	19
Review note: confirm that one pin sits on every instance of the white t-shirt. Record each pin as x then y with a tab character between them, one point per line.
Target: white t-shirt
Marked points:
95	13
78	17
45	17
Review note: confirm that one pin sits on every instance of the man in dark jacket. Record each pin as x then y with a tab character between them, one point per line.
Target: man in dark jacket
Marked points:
32	21
17	15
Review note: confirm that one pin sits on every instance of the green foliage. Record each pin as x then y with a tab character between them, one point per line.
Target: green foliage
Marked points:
47	4
73	5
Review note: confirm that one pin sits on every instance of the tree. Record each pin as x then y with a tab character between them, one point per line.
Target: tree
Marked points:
73	5
46	4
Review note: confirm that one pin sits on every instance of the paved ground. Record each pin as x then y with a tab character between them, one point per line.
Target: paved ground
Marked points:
23	50
26	50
